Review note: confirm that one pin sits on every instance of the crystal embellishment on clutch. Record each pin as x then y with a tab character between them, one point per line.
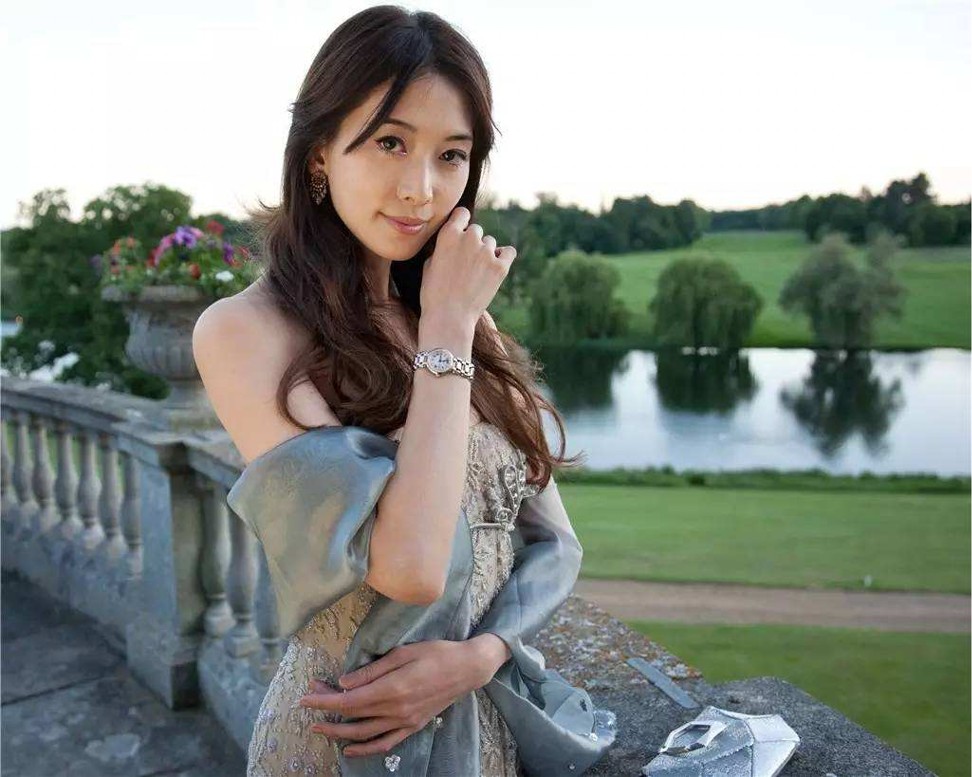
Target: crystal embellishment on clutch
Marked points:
721	742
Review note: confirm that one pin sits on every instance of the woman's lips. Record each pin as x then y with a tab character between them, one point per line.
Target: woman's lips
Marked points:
406	229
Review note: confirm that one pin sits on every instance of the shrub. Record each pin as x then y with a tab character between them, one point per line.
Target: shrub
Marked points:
703	302
574	299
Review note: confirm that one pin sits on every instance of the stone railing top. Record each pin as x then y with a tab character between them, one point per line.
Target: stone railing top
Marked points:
88	407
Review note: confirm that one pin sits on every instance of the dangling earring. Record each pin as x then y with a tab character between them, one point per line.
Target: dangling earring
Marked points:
318	187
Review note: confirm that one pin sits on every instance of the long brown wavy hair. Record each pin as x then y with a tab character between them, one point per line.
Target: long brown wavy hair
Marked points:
313	263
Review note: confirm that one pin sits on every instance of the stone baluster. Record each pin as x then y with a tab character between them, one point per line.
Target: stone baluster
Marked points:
65	485
268	627
109	507
22	472
131	518
88	492
162	642
216	557
45	515
242	639
8	505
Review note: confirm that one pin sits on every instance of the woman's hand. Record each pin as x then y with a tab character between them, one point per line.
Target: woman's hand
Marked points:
404	690
465	270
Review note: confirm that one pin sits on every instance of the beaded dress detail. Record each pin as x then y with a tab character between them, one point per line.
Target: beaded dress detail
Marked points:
282	742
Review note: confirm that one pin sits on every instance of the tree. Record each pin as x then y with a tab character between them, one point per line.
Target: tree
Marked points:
842	301
932	225
703	302
836	213
574	299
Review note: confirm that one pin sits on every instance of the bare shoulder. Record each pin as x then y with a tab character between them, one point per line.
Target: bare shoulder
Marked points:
242	346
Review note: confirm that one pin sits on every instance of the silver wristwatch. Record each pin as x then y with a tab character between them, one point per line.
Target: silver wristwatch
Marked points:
440	361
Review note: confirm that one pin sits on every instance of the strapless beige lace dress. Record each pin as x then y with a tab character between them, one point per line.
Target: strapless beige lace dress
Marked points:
282	742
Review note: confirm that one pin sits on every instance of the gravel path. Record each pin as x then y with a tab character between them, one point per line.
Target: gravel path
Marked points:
741	604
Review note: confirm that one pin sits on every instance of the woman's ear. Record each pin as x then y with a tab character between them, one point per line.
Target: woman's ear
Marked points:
319	159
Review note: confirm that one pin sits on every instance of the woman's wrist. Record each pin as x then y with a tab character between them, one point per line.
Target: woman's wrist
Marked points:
442	330
490	652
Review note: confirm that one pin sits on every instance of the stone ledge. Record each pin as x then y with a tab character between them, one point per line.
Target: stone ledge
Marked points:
590	648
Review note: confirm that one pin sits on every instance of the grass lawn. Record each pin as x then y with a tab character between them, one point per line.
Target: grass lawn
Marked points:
909	689
937	305
775	538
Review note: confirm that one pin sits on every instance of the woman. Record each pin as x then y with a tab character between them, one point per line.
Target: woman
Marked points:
376	281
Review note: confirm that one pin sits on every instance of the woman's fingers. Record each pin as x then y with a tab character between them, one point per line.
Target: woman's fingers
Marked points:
371	672
381	745
366	701
365	729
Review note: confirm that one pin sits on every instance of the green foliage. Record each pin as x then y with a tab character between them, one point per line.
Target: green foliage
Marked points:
640	224
842	301
57	283
931	225
703	302
837	213
789	215
906	208
574	300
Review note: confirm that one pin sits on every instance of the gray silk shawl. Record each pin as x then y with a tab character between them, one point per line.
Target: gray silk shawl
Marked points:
311	502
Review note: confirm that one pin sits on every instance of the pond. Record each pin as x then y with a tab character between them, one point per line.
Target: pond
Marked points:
784	409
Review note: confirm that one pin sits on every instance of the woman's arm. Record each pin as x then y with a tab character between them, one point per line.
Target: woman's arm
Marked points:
413	533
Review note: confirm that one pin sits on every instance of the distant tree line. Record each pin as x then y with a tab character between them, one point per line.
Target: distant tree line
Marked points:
905	208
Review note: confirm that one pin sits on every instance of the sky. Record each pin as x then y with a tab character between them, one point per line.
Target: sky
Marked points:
730	104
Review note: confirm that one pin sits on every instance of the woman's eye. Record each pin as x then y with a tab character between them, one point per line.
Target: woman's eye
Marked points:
389	138
461	154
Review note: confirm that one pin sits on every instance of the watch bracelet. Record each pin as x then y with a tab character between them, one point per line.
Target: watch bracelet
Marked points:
460	366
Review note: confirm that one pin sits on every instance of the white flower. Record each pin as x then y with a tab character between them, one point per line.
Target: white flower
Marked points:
224	275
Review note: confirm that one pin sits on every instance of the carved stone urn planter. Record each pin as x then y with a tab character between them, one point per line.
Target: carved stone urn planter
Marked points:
160	321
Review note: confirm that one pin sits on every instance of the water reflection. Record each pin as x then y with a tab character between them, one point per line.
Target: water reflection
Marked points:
582	377
770	408
841	396
703	383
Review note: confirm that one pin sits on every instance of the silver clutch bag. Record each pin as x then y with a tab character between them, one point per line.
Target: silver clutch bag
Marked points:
722	743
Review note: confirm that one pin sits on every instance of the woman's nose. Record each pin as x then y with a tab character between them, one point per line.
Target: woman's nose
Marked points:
416	184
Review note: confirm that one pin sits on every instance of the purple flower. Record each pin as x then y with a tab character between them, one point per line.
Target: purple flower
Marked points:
184	236
95	262
228	253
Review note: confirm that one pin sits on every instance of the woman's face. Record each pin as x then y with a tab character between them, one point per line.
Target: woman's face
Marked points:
414	172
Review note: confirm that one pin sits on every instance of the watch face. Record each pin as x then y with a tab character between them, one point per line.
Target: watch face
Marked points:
439	360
